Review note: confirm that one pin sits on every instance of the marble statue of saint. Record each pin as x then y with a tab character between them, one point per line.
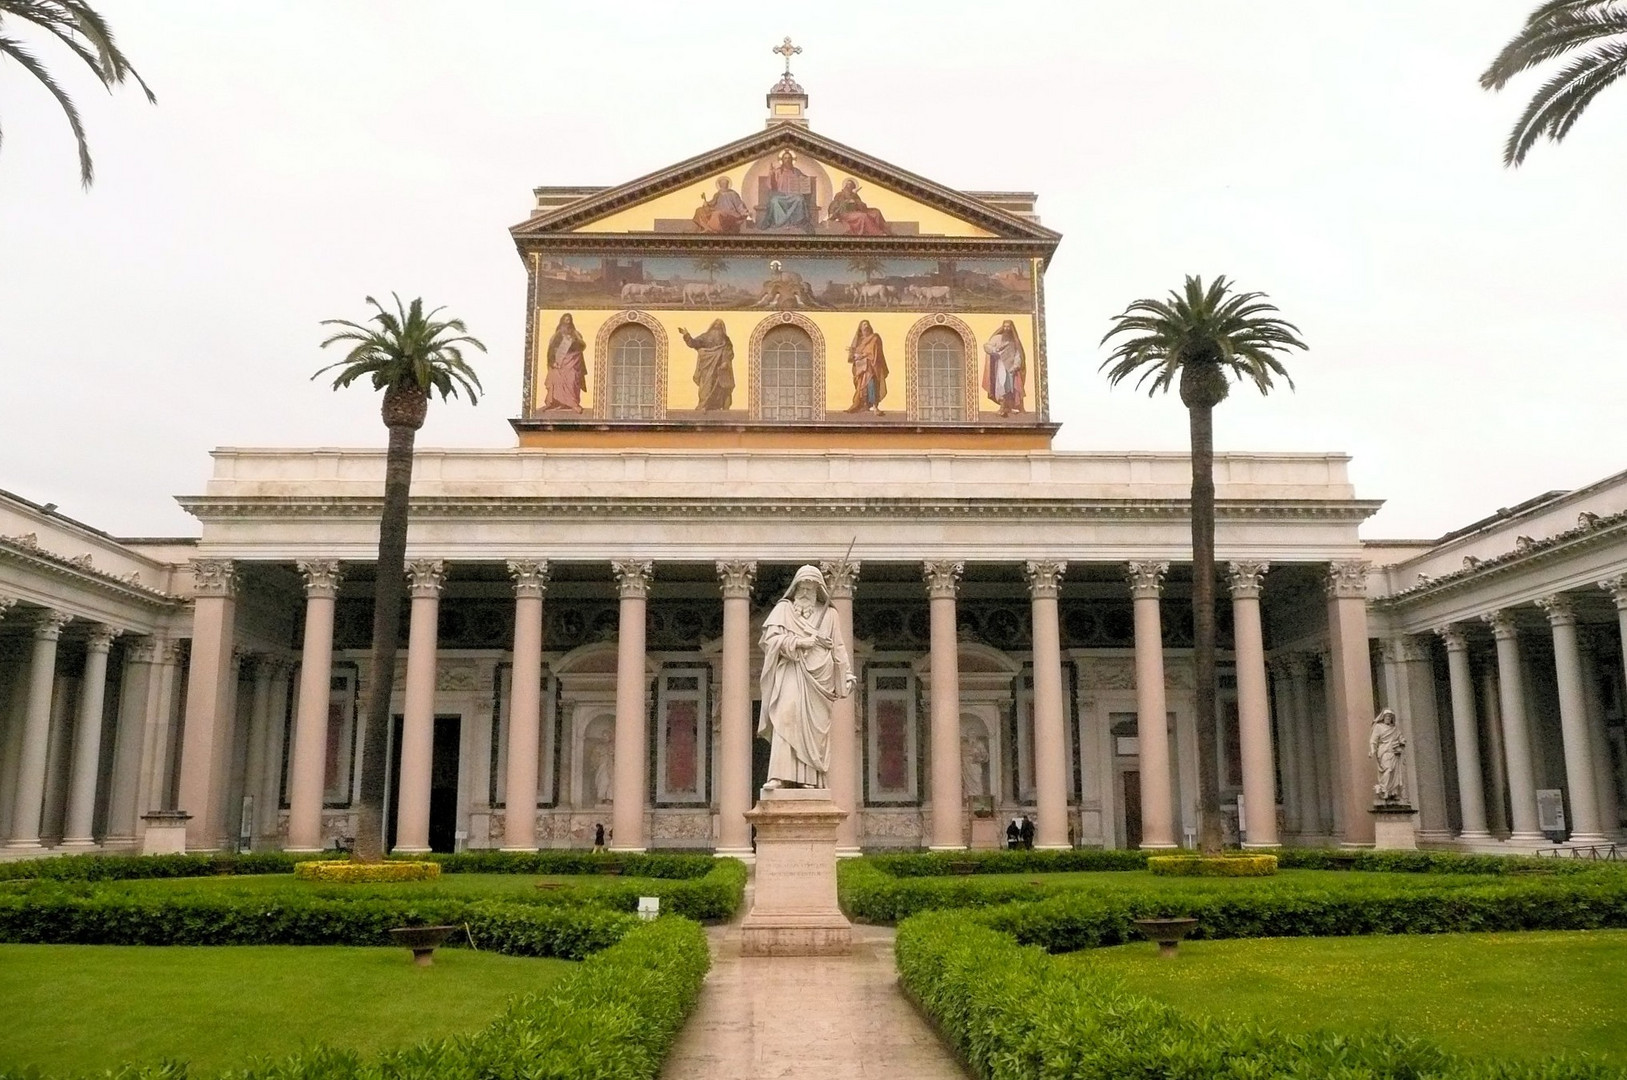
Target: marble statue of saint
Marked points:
1384	745
805	669
974	757
604	771
714	366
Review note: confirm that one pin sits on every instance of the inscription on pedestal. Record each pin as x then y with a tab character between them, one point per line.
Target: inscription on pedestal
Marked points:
794	910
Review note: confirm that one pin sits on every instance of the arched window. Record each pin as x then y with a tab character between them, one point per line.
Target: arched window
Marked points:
941	371
632	383
786	375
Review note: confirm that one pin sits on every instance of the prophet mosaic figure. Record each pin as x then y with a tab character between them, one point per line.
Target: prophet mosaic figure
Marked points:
787	204
1384	745
1004	369
714	366
805	670
724	212
859	218
869	362
567	373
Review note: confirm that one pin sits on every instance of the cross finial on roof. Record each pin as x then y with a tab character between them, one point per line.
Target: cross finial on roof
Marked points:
787	50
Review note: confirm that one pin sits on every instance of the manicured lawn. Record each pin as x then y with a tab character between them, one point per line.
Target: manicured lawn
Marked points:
1526	995
519	887
80	1008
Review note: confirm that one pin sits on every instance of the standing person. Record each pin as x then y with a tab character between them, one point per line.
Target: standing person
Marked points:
805	669
869	361
1028	833
1013	835
598	836
1004	369
714	367
567	368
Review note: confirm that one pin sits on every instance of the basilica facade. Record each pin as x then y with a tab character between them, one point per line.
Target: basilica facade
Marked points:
784	352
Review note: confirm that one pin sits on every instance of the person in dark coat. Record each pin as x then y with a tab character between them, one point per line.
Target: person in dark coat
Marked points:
1027	830
1014	835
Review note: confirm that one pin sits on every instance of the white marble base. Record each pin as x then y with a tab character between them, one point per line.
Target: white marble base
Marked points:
1395	828
794	910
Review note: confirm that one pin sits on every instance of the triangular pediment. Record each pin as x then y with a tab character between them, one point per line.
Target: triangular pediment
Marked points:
783	181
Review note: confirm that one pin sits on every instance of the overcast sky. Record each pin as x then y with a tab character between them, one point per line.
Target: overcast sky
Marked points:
1465	320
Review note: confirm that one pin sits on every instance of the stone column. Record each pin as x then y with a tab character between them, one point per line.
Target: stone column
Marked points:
1617	588
1584	798
87	742
158	751
209	694
1152	716
840	576
943	581
140	663
1253	709
1298	666
1522	786
30	795
418	708
1287	744
1050	730
307	763
268	789
1598	737
1465	736
525	706
1352	671
630	783
735	738
1420	726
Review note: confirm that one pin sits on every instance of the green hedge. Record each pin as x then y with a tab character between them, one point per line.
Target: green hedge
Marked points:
655	865
951	863
134	867
1430	862
1014	1013
1231	865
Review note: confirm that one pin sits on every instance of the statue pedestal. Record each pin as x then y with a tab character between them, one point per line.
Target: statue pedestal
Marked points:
1395	827
165	833
794	910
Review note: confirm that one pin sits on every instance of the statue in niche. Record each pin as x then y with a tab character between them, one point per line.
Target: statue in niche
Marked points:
974	765
567	374
787	197
1384	745
602	759
1004	369
714	366
805	670
869	363
724	212
859	219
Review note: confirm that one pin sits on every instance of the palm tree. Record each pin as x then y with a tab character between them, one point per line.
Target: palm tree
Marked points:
1554	30
711	266
407	355
1205	337
75	24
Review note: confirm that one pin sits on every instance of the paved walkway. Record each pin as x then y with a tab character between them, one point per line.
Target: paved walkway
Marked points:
810	1018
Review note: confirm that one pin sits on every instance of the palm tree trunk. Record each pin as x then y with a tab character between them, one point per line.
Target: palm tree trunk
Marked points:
1203	625
388	590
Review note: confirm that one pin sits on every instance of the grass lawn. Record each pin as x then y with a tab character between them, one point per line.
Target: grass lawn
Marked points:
79	1008
1524	995
513	887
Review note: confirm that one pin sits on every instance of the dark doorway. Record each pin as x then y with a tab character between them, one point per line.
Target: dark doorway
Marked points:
1131	780
759	754
443	783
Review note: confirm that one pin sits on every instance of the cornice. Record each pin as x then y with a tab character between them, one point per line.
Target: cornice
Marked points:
218	507
1590	533
17	551
757	144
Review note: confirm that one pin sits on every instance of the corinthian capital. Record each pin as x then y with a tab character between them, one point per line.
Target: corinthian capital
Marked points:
840	576
427	576
1502	624
1246	578
633	575
214	577
1617	588
530	577
1454	638
48	624
1558	609
1348	580
101	637
1044	577
942	577
321	577
735	577
1147	579
6	604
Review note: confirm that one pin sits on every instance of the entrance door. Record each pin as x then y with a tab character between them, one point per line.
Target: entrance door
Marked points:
443	783
1131	779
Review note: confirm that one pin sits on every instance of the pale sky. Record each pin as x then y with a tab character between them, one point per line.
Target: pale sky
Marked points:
1465	320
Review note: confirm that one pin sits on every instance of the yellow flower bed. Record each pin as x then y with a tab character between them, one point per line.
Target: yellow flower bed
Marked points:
345	872
1213	865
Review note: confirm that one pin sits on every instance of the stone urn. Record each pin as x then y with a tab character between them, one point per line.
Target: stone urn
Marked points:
421	940
1166	932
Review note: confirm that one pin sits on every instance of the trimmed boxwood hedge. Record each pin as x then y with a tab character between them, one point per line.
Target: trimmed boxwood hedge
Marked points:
1213	866
345	872
1014	1013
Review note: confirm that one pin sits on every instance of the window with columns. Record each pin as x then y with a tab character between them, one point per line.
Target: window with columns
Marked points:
941	371
786	375
633	379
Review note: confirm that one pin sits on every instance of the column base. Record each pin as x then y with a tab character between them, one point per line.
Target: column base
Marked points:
615	850
303	850
1588	840
849	853
1049	847
78	844
528	849
1159	847
744	854
947	847
1528	839
413	850
1478	836
24	845
1272	846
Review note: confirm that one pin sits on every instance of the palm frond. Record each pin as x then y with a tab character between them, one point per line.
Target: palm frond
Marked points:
15	49
406	346
1555	31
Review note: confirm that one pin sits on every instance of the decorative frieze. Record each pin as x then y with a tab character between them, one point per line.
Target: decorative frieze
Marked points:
214	577
1246	578
942	577
530	577
735	577
1348	580
1147	579
426	576
1044	577
1559	610
321	577
840	576
633	576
